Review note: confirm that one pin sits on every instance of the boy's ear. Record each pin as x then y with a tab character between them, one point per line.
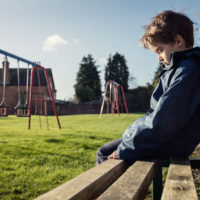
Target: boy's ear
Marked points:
179	41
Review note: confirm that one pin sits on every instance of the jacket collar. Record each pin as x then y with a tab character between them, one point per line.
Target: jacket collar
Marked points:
177	56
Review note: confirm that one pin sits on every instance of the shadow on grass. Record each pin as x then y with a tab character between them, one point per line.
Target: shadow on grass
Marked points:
87	146
72	135
54	141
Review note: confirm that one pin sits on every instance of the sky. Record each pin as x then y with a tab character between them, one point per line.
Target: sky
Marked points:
58	33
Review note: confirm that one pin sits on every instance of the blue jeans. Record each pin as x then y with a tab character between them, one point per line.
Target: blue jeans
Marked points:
105	150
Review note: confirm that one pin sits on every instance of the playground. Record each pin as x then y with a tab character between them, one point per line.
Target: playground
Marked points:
37	160
36	153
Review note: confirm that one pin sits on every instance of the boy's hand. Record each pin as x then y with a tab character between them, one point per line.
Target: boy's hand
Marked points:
113	155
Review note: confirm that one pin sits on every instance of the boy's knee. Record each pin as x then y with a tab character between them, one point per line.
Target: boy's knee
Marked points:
100	156
99	152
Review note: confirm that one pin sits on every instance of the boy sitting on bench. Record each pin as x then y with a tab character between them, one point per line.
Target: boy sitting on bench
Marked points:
171	128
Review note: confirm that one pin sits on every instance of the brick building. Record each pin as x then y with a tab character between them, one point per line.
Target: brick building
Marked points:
11	88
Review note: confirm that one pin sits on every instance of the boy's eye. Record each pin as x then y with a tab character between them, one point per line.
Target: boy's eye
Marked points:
159	50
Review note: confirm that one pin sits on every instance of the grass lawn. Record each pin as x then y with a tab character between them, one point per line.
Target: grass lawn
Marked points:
37	160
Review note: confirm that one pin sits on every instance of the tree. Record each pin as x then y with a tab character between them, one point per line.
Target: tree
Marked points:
138	99
117	70
88	85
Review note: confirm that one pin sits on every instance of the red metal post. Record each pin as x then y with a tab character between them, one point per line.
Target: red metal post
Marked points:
51	95
113	100
40	99
120	102
116	99
122	89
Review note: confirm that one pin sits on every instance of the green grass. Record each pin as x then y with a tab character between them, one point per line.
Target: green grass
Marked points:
37	160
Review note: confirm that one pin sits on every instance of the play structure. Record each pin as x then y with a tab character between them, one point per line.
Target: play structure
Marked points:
113	95
25	108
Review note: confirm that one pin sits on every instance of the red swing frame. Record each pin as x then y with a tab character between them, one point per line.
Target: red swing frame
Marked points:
40	91
116	101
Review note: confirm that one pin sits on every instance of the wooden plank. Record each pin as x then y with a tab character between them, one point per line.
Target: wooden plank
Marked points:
133	184
179	184
89	184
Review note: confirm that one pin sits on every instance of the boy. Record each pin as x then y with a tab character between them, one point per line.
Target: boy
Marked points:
172	125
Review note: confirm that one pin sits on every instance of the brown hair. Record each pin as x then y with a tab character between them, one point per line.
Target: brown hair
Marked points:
165	26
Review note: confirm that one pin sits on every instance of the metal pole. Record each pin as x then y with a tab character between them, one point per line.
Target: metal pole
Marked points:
122	89
51	95
103	100
116	98
4	80
7	54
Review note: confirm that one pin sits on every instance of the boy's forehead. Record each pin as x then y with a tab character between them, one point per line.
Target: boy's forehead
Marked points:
155	46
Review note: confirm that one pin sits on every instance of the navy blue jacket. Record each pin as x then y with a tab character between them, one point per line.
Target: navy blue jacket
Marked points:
172	125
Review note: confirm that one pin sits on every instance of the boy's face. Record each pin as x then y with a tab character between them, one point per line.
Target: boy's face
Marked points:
163	51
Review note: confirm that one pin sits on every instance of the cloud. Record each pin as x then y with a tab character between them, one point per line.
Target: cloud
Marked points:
75	41
53	41
102	61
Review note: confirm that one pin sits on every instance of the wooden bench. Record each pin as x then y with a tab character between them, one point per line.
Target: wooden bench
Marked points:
115	180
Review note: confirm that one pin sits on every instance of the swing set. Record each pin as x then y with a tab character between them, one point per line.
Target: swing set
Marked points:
112	96
23	110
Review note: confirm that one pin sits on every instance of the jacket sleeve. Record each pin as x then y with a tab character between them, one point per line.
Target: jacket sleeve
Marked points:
172	112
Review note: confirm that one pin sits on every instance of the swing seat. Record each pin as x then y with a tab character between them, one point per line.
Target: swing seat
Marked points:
19	109
3	109
25	110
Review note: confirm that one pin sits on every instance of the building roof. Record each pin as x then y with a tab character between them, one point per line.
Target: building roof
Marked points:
23	77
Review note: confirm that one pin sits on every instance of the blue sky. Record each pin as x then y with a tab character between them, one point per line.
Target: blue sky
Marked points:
58	33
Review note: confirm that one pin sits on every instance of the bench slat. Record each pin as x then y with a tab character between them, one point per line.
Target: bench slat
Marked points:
179	184
89	184
134	182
